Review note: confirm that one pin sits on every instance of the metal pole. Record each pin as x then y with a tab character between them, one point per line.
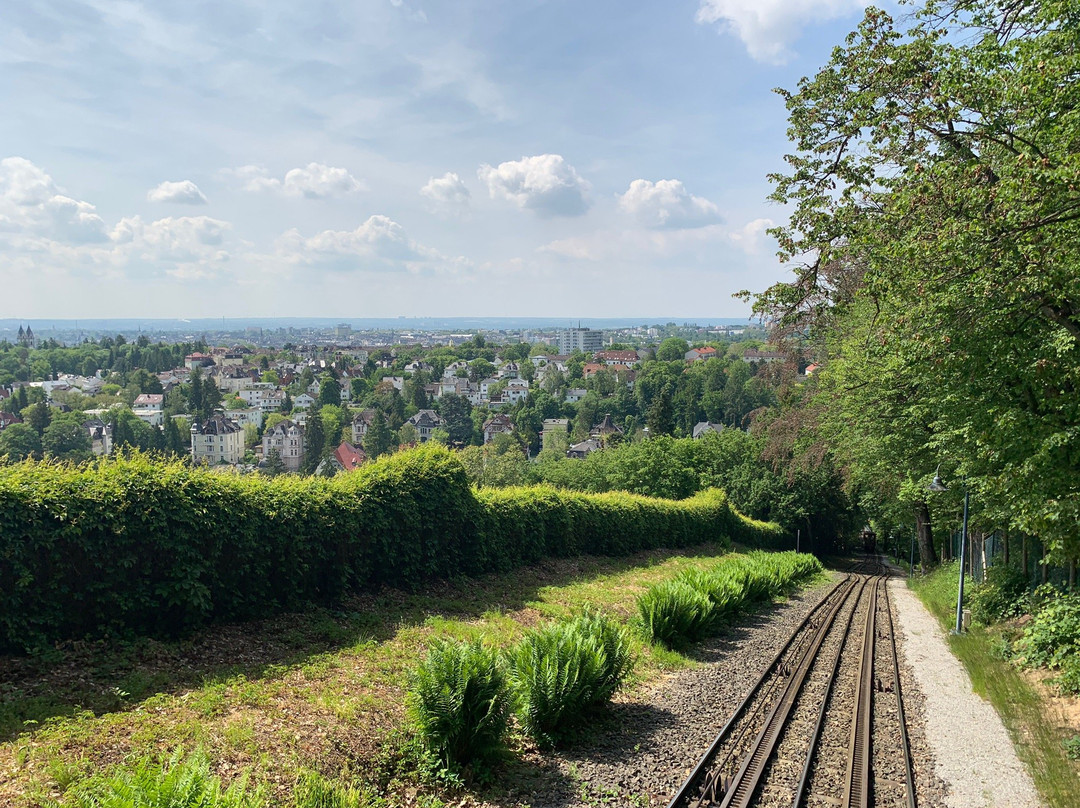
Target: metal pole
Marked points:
798	535
963	553
911	563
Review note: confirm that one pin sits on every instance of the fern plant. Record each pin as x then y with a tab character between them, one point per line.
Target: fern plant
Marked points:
181	783
675	613
618	661
459	702
556	673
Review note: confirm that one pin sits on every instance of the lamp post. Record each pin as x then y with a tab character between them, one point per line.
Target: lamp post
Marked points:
937	485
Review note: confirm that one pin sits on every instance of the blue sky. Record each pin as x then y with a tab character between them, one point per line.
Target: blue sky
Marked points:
395	157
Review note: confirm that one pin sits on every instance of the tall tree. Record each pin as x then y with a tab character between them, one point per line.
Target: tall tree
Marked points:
314	441
378	440
660	418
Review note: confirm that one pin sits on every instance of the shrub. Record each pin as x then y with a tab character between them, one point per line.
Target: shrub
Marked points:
683	610
618	662
182	783
1053	635
561	671
137	546
1003	594
459	702
1069	680
676	613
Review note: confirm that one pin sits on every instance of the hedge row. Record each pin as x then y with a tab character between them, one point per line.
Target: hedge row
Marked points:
140	546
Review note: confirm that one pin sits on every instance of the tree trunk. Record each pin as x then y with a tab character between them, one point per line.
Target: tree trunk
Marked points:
1072	573
927	555
1024	557
1005	534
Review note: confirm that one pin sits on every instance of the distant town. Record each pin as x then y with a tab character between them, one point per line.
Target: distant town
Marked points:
323	400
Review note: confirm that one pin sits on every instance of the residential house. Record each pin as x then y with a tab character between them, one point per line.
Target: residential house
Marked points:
287	438
248	415
753	355
345	457
100	435
516	390
303	401
149	407
553	426
811	369
217	440
497	425
617	357
455	368
605	429
198	360
262	395
7	419
509	370
575	394
579	451
703	428
426	422
360	425
701	354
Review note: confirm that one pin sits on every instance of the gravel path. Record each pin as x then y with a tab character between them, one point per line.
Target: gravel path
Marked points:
970	747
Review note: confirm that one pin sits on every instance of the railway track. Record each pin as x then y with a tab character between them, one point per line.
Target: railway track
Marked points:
824	724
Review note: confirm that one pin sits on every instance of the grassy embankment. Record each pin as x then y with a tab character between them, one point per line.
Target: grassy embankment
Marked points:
317	691
1033	723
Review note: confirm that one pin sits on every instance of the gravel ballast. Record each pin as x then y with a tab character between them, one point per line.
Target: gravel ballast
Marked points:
644	748
970	747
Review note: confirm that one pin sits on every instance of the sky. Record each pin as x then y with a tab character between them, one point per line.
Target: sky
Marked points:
382	158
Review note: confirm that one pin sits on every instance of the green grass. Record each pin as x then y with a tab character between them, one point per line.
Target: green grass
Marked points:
315	691
1040	743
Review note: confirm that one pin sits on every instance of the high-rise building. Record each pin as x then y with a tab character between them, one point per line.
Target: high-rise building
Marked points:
580	339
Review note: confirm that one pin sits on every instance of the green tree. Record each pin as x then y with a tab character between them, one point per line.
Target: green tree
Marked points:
456	414
378	440
314	441
329	391
274	465
66	439
408	435
673	349
37	417
19	442
660	418
933	184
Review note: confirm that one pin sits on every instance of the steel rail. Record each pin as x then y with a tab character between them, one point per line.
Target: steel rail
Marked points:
683	796
909	777
819	724
857	781
740	792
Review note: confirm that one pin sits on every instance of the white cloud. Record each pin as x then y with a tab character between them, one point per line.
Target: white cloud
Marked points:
414	14
184	192
752	237
379	243
667	204
769	27
184	247
315	181
637	246
545	183
32	205
447	192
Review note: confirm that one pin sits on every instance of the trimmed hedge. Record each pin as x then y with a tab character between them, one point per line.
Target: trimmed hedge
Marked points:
137	545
